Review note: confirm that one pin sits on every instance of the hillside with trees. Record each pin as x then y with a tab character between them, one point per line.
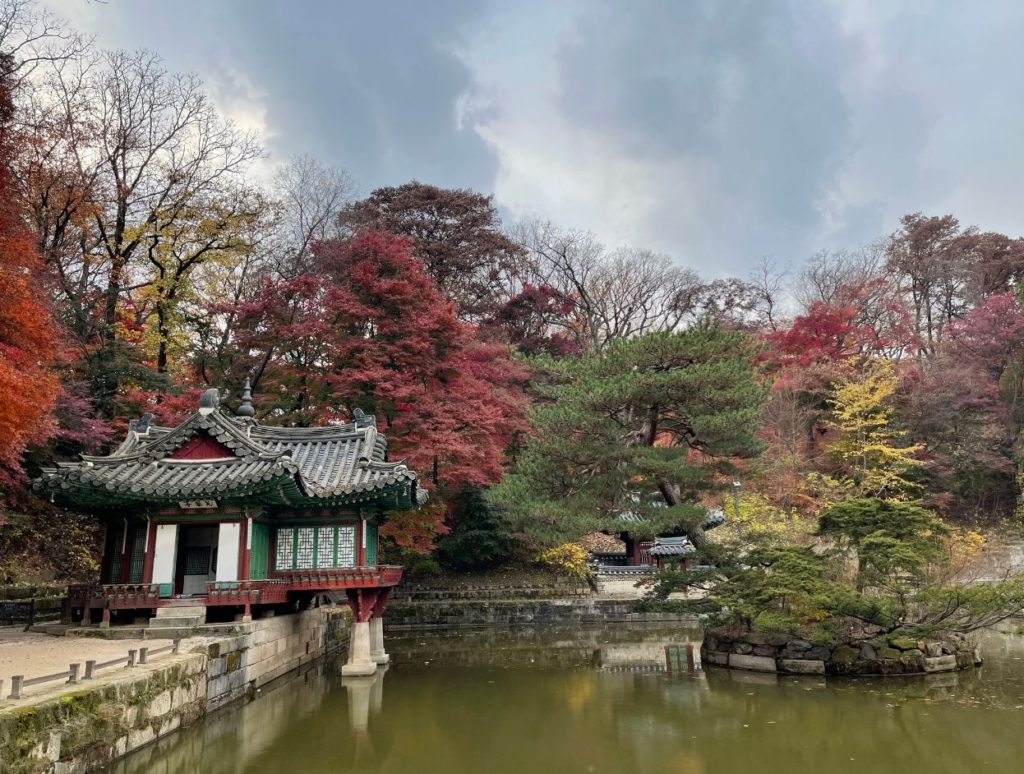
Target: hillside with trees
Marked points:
541	382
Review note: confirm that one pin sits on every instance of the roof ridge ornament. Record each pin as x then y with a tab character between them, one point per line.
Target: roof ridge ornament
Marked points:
245	408
141	426
209	401
362	419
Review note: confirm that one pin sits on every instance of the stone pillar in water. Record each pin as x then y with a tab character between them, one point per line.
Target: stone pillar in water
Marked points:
377	653
360	690
365	698
359	661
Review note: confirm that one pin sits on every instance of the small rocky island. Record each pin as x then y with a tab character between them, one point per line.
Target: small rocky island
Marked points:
878	655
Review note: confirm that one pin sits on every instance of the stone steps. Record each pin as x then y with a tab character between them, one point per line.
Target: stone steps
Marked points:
178	620
175	610
55	630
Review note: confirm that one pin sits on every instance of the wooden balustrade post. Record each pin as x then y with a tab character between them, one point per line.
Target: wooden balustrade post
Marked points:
143	653
90	668
73	673
131	657
16	682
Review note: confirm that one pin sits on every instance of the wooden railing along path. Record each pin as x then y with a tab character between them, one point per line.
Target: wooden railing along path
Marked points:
75	674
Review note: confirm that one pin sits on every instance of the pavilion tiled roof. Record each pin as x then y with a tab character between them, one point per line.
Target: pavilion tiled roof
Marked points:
715	518
343	464
672	546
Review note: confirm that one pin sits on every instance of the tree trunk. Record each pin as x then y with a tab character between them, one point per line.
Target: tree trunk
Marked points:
106	371
672	497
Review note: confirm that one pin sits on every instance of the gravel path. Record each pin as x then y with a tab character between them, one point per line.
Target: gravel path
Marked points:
32	654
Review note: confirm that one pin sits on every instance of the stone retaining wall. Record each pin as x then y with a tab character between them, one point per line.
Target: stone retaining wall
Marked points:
274	647
88	728
412	593
80	731
490	612
879	656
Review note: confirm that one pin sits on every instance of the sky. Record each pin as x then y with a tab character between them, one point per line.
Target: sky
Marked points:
719	133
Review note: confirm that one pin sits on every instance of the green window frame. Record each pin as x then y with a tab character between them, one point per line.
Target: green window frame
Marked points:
293	547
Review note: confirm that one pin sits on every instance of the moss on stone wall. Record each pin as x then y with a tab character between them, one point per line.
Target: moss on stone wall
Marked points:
102	721
93	723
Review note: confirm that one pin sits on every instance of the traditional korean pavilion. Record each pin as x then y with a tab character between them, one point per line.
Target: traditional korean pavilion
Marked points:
222	512
664	549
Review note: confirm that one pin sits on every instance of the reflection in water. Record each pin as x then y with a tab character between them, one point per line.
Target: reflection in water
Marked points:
578	700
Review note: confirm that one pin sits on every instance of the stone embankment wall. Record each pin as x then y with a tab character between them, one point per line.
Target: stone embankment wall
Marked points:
879	656
491	604
514	612
88	728
122	711
273	647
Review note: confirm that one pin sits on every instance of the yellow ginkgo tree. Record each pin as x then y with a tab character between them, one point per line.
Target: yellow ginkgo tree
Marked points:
874	461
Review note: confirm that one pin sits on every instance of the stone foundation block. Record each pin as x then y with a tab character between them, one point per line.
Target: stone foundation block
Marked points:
753	663
714	657
800	666
140	736
160	706
940	664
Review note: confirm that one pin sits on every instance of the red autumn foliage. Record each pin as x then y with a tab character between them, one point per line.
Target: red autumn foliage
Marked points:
168	409
370	330
448	401
989	334
825	334
28	342
531	319
454	232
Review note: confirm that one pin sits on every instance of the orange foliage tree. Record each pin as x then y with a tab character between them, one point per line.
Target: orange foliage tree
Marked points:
28	384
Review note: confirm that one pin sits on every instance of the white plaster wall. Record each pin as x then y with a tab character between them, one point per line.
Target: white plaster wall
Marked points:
164	553
227	551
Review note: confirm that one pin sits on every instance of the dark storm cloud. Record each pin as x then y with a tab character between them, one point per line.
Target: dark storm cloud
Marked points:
373	87
717	132
748	92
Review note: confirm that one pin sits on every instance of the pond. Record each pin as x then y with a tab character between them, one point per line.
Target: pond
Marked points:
599	700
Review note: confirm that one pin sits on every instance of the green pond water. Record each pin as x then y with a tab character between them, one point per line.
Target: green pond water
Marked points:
593	700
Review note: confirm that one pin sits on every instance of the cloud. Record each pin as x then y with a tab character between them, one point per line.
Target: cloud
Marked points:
717	132
712	132
723	132
373	87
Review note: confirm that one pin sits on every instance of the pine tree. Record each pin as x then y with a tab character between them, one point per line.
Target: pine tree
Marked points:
647	427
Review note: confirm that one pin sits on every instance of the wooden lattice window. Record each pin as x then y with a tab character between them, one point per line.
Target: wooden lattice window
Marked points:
325	538
284	555
307	548
347	546
304	548
198	560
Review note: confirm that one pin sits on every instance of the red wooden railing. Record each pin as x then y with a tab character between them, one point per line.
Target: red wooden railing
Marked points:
258	592
272	591
124	596
342	578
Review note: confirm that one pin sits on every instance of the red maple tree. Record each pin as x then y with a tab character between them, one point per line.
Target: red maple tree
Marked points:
28	343
371	330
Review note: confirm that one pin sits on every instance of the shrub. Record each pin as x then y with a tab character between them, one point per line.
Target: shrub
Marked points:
567	559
